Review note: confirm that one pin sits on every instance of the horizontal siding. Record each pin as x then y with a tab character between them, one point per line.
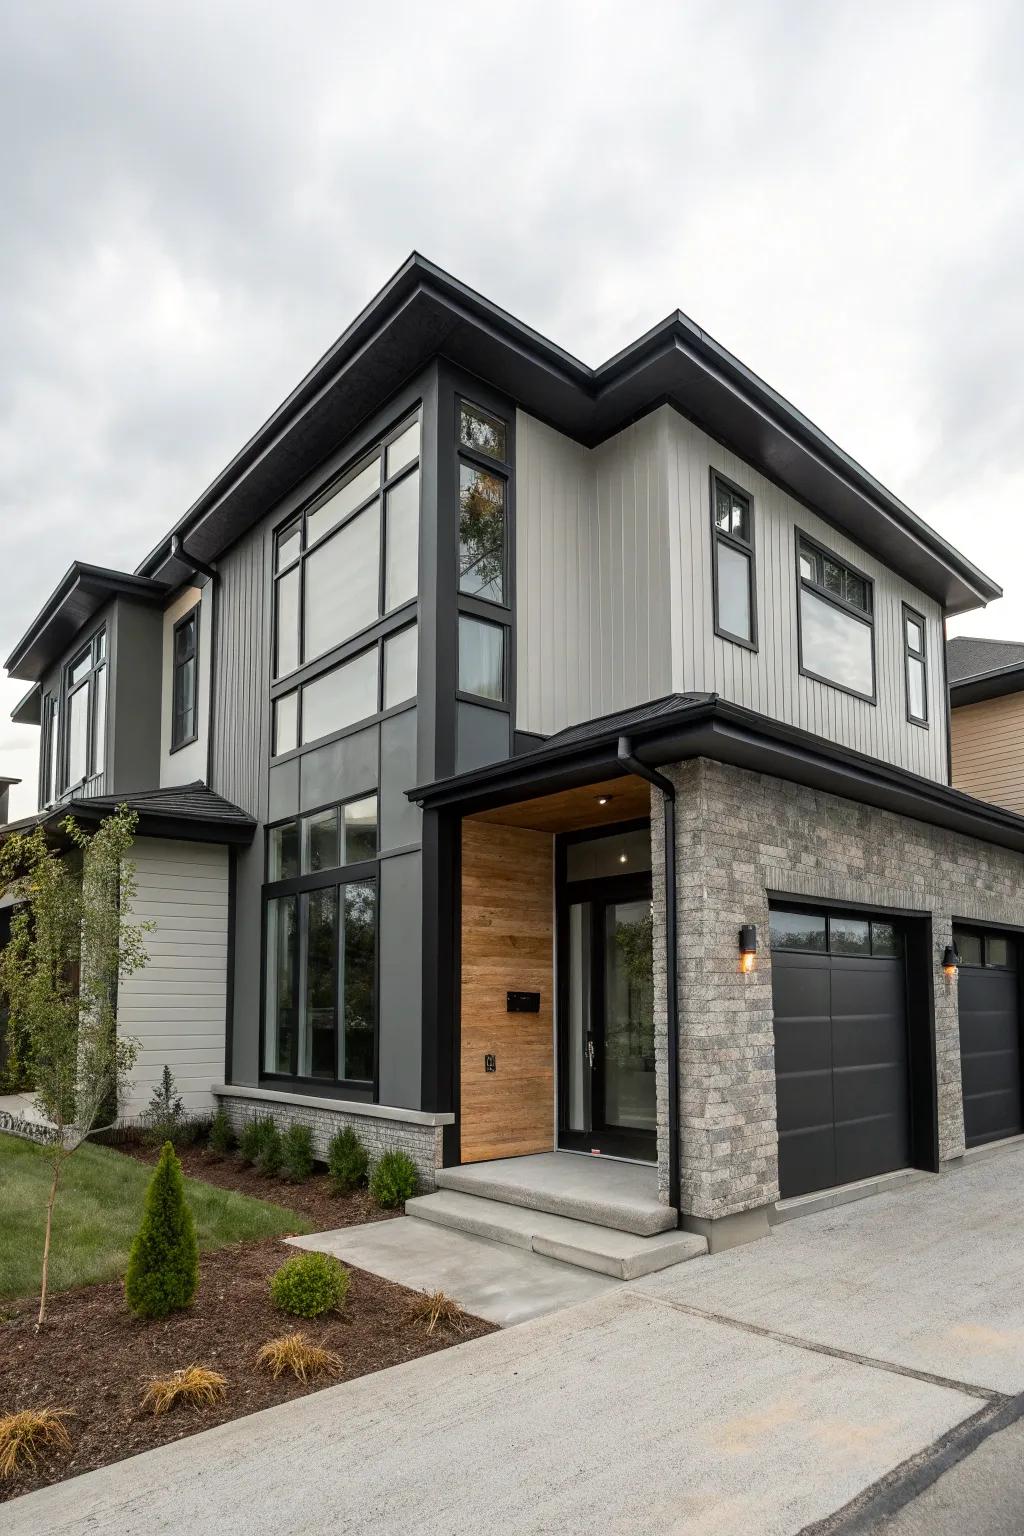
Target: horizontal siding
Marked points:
988	750
175	1007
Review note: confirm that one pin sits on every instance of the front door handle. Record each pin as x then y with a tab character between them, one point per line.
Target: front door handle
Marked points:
590	1052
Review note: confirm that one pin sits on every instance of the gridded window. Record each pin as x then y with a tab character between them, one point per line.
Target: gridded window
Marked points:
733	557
997	951
340	697
916	658
185	680
85	713
836	933
836	622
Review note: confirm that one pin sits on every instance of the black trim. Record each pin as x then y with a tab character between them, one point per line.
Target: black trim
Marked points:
817	589
193	617
907	612
947	703
987	685
745	547
229	1003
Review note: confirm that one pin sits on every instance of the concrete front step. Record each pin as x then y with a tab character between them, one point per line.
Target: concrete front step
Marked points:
597	1190
623	1255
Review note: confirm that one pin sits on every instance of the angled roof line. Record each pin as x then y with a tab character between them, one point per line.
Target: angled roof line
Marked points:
80	593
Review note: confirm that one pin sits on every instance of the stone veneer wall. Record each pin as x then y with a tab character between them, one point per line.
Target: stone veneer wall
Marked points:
740	835
377	1133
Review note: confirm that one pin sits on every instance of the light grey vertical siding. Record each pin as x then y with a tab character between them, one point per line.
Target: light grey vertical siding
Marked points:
188	764
593	619
769	679
241	676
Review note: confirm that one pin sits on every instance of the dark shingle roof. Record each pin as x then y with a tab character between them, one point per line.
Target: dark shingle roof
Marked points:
621	722
967	656
187	811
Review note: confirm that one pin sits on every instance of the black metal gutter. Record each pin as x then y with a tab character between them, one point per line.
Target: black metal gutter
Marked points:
668	792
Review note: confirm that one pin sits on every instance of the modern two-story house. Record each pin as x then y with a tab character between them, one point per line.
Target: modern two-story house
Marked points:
534	757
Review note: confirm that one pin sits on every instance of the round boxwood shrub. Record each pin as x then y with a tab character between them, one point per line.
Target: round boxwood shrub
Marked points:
297	1153
347	1161
310	1284
393	1180
163	1267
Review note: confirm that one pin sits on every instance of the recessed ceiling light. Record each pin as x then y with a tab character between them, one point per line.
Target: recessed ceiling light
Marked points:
603	799
623	859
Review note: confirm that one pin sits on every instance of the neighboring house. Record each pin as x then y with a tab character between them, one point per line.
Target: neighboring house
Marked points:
986	695
460	635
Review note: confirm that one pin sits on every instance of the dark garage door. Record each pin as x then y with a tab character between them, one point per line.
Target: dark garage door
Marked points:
841	1054
990	1063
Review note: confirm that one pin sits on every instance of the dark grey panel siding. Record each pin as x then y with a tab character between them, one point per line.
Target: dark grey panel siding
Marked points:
399	941
241	680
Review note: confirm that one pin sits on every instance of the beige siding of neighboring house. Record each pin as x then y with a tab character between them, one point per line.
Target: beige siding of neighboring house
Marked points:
988	750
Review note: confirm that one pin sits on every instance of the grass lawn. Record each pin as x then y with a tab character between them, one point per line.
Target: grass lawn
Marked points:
99	1206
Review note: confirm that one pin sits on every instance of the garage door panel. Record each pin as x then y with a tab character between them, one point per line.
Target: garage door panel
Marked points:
803	1156
990	1072
869	1147
804	1100
862	1041
990	1053
880	1089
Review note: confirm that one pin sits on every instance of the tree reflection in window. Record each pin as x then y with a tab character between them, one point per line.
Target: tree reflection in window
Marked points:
481	533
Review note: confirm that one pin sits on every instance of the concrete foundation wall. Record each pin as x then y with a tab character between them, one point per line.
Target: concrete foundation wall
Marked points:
740	836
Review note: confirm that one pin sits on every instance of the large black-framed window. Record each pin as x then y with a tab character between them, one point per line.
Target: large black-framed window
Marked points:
351	557
915	664
320	947
49	744
367	684
85	714
835	621
733	562
484	591
185	680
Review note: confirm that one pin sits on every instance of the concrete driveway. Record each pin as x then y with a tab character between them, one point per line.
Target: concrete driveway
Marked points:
758	1392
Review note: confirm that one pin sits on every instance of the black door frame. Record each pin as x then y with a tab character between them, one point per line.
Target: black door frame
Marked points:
631	886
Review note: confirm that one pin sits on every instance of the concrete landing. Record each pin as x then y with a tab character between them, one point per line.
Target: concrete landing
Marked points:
623	1255
491	1280
589	1189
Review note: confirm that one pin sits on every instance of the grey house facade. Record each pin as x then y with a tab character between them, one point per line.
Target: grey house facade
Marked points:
577	742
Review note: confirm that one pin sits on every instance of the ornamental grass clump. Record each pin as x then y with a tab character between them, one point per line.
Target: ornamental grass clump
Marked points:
163	1266
195	1385
310	1285
26	1435
436	1308
347	1161
297	1154
252	1137
221	1140
294	1352
394	1180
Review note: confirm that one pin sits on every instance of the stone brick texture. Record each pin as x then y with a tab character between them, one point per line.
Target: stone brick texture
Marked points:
422	1143
741	835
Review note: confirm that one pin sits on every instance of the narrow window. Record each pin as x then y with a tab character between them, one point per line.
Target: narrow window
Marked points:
185	683
733	558
49	775
85	714
481	658
481	431
836	625
914	643
481	533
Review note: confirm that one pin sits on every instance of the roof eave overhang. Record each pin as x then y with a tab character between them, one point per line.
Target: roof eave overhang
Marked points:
423	313
187	829
987	685
77	599
728	734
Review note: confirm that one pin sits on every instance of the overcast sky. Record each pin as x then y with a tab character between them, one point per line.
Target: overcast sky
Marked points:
197	198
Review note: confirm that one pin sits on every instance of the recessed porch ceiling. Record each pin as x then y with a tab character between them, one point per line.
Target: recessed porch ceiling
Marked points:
572	810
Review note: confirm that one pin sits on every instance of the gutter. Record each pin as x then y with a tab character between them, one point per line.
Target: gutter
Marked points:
668	792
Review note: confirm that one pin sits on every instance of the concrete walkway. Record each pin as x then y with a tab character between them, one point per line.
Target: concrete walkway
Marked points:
755	1392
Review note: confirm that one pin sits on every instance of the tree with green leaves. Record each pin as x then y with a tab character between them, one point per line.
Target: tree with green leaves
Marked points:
163	1267
72	939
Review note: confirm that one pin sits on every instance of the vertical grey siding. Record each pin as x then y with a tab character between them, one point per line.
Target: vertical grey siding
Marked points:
242	676
593	609
769	679
190	763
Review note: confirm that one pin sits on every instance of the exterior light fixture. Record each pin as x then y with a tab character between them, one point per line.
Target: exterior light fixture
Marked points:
748	948
950	960
623	858
603	799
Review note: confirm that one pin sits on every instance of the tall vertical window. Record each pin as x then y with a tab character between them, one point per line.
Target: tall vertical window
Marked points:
352	556
916	657
320	1014
48	777
185	681
85	715
732	521
482	541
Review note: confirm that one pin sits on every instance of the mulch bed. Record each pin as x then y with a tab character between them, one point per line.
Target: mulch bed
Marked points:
94	1357
313	1197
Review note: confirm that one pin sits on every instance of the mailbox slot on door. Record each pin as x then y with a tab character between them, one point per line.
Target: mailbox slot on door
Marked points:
522	1002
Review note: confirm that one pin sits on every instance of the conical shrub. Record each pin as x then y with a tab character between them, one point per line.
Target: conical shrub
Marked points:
163	1267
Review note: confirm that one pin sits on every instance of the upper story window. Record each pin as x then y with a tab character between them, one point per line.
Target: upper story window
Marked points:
916	664
836	622
85	713
185	680
482	537
732	515
349	693
351	556
48	777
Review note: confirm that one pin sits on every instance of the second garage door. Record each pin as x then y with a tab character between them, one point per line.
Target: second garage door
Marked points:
841	1051
990	1054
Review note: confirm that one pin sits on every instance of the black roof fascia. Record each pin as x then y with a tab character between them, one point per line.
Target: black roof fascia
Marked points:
987	685
78	598
29	708
423	312
728	733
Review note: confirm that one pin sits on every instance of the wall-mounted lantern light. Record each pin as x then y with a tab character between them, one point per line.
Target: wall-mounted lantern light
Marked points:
748	948
950	960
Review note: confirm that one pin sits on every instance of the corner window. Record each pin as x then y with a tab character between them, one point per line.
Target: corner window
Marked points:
916	663
836	622
733	561
320	1016
352	556
185	680
85	713
481	658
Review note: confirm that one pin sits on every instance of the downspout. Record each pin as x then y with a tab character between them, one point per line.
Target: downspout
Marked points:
668	792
